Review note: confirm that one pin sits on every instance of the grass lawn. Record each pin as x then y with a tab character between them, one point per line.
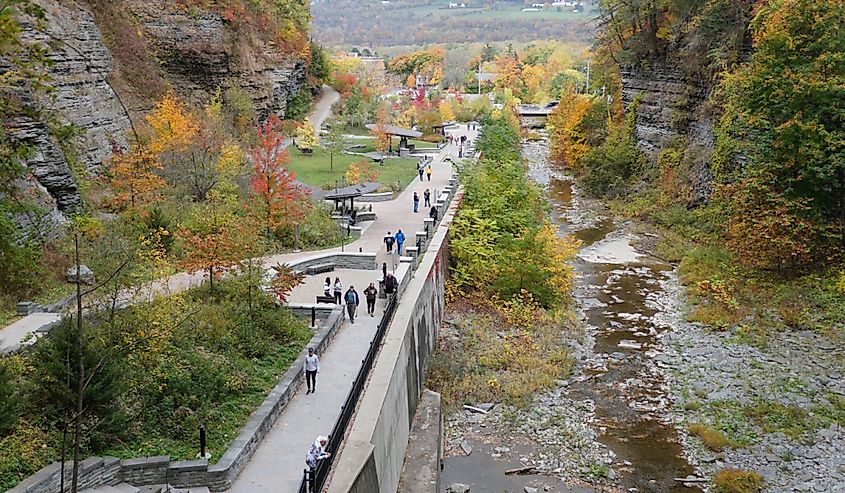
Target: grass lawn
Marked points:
314	169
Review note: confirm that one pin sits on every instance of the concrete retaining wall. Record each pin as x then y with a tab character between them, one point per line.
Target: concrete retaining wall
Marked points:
376	197
373	456
98	471
421	473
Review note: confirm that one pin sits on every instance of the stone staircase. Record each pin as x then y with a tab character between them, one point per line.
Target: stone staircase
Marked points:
128	488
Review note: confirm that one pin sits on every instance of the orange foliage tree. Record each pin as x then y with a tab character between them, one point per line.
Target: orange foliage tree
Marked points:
568	141
277	200
213	243
133	177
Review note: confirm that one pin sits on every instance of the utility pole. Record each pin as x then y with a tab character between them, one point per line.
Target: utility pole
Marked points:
480	61
587	89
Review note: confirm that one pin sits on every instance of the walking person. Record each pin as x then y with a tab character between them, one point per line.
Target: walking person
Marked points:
370	294
421	170
416	202
352	301
316	453
428	172
312	368
433	213
327	287
338	290
388	242
400	239
390	284
427	197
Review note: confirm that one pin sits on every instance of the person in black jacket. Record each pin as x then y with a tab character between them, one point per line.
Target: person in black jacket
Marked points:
370	294
433	213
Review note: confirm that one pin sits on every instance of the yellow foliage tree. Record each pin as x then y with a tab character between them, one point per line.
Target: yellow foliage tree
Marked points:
568	142
306	138
173	126
447	110
134	178
361	172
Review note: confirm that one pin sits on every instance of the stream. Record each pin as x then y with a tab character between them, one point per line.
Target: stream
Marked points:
619	379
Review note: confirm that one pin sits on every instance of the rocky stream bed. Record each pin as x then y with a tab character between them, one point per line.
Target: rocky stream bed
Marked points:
643	374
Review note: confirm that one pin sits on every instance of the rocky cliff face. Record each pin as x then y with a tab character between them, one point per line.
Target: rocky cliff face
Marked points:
82	98
670	105
201	52
198	53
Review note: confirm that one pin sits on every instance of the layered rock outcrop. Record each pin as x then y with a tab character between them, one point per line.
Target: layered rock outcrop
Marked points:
669	104
198	51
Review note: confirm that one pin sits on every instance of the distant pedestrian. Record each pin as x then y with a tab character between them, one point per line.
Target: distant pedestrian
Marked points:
317	452
428	172
312	368
338	290
400	239
352	301
388	242
390	284
327	287
427	197
433	213
384	270
370	293
421	170
416	202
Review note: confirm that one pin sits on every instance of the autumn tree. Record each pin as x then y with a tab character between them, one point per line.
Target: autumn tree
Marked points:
361	172
213	241
305	136
194	148
284	281
426	63
134	177
276	199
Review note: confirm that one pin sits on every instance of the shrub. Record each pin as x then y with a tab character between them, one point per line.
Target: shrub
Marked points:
9	402
713	439
736	481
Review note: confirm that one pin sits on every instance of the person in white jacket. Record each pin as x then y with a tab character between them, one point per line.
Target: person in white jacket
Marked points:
312	368
317	452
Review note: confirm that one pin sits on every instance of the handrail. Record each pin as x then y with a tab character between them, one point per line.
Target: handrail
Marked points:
314	480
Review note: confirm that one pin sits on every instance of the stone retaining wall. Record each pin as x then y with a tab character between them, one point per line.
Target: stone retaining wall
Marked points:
98	471
341	260
376	197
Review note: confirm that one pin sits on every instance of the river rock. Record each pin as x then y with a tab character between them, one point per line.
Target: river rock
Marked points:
85	276
457	488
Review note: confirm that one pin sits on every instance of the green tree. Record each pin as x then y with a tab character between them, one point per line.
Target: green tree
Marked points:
785	110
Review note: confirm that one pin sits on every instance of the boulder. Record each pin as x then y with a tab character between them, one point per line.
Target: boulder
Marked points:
457	488
85	276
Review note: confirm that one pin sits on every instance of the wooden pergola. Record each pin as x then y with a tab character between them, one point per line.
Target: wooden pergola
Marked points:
403	133
349	192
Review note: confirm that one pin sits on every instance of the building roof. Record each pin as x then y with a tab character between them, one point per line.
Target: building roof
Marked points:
398	131
351	191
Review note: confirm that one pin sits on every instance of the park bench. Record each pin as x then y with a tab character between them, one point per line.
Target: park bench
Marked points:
325	299
318	268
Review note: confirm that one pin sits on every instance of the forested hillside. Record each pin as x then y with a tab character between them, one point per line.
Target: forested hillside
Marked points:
375	24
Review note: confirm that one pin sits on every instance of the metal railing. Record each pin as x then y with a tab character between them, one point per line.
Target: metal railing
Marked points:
314	480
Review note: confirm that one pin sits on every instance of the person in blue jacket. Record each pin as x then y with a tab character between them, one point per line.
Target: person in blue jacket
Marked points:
400	239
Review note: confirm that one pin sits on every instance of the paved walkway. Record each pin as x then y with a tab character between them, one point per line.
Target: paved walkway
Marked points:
279	460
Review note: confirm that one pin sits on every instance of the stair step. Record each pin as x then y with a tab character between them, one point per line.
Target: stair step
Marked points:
101	489
125	488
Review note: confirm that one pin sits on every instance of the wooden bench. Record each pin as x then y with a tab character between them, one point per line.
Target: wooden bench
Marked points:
325	299
318	268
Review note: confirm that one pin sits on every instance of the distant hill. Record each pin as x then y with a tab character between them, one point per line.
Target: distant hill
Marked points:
414	22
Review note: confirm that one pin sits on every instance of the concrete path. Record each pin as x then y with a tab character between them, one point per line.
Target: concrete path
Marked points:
279	460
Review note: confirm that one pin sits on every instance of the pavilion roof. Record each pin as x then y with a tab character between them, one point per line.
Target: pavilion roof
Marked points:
351	191
398	131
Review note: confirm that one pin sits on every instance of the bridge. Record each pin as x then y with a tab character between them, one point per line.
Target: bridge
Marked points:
534	110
